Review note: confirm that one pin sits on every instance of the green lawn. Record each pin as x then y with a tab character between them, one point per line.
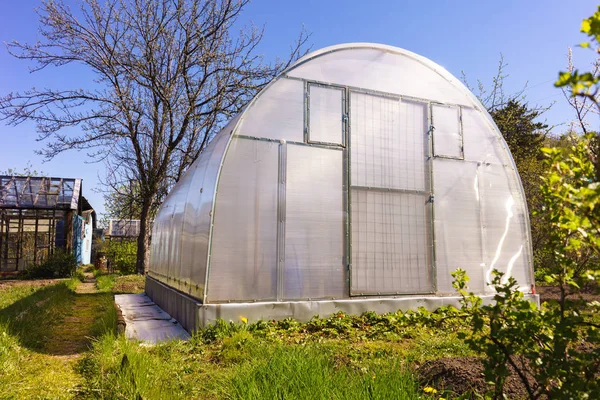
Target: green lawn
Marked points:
59	341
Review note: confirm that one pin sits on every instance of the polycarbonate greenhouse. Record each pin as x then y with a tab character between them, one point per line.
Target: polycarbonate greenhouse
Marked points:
358	180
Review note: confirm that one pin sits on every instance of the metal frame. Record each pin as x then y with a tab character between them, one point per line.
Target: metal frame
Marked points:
374	92
347	203
51	189
427	192
281	215
343	113
432	236
460	131
13	239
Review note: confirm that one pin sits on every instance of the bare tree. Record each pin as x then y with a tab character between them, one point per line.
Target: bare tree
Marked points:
168	73
495	97
585	107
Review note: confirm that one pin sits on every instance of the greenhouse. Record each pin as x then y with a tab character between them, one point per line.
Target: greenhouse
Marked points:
38	216
358	180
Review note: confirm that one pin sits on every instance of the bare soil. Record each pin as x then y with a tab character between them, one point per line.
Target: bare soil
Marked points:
129	284
8	283
464	375
588	293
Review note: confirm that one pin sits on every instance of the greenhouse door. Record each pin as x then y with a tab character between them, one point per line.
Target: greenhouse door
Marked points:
390	208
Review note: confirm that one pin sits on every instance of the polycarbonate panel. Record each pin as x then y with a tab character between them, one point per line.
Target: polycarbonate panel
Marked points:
243	263
277	113
196	218
388	142
180	233
314	232
173	234
158	259
385	71
504	222
325	112
447	133
390	243
481	142
458	237
178	269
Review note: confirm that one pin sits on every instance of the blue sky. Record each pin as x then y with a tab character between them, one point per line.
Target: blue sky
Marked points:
465	36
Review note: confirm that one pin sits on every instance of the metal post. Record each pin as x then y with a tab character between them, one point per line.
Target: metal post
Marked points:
281	213
20	242
430	124
346	192
35	237
2	241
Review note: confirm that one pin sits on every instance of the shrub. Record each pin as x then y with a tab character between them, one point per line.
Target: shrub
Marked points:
555	350
79	275
61	264
122	255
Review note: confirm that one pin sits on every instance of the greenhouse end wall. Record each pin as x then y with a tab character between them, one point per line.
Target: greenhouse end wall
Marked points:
358	180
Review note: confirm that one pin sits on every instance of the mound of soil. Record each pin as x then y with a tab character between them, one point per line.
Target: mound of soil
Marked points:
463	375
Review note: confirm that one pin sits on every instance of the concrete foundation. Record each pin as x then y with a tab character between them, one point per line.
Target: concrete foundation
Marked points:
193	315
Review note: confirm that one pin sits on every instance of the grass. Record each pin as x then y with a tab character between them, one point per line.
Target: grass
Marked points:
106	282
280	372
28	315
341	357
240	367
117	283
28	312
59	341
44	330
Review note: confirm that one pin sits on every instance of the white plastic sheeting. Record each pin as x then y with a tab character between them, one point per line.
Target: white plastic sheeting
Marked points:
457	223
362	170
503	222
402	73
278	113
244	240
325	114
182	226
481	142
480	224
447	131
314	232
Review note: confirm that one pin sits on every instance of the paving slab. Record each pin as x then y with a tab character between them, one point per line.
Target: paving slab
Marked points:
146	321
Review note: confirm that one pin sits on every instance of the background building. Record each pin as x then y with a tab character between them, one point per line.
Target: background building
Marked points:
39	215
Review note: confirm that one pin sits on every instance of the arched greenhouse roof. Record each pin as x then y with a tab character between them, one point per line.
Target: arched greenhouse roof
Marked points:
362	170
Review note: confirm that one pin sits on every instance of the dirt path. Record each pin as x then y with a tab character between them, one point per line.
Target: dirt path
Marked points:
88	285
72	335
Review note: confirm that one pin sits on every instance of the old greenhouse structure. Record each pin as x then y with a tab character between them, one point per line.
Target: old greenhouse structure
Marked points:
358	180
39	215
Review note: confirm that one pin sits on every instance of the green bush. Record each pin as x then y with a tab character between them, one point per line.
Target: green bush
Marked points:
555	349
122	255
79	275
61	264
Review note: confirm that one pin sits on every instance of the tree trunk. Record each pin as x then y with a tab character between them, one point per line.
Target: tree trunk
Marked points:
143	243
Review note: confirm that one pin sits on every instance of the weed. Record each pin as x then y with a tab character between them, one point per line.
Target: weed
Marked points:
105	283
